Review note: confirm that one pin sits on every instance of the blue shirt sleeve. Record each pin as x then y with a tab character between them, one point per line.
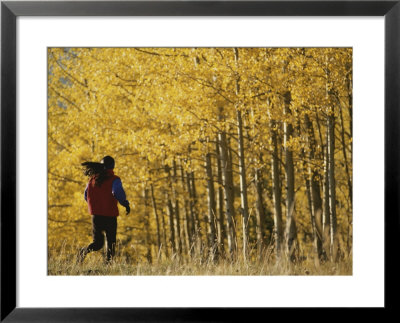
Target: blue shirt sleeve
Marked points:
118	192
86	192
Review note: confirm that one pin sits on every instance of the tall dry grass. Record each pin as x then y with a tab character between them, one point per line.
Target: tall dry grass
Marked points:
63	262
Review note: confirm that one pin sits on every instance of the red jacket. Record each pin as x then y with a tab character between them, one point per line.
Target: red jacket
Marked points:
100	199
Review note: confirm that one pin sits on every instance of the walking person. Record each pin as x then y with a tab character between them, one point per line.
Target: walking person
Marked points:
102	194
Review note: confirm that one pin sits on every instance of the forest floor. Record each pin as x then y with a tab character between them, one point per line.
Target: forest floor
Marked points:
94	264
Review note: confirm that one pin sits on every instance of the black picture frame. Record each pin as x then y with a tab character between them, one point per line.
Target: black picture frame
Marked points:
10	10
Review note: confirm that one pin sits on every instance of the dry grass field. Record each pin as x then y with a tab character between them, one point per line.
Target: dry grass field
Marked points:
64	263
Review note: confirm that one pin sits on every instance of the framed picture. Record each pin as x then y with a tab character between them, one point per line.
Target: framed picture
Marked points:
202	70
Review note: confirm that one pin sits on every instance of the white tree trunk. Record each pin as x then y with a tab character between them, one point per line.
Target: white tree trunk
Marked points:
332	185
290	231
276	191
243	185
212	208
228	191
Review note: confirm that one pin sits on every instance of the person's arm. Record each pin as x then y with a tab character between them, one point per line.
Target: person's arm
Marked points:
86	192
119	194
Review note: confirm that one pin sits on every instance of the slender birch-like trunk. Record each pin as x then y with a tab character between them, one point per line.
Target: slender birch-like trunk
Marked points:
260	226
332	186
156	217
192	211
315	193
170	211
173	183
164	235
228	193
290	230
276	190
187	221
242	165
221	225
260	209
195	202
243	185
326	219
147	224
212	208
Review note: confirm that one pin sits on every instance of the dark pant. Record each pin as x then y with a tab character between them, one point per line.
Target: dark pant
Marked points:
101	223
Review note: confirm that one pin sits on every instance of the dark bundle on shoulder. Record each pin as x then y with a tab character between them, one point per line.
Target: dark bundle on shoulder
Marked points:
95	169
92	168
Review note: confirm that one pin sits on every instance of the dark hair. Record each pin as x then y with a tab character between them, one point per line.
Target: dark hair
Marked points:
97	170
108	162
